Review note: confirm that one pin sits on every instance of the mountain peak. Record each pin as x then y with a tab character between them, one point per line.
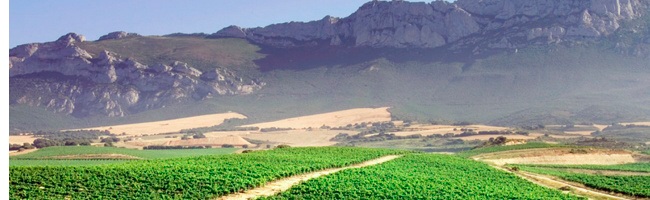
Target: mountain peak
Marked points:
402	24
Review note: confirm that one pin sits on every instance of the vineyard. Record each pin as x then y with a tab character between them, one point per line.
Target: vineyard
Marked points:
49	152
630	167
422	176
638	186
187	178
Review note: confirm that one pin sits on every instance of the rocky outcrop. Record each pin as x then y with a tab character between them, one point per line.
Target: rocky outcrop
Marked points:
403	24
65	78
117	35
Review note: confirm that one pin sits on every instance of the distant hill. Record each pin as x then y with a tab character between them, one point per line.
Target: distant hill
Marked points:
500	61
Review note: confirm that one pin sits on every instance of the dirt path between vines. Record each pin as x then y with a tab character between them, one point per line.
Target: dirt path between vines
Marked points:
281	185
555	183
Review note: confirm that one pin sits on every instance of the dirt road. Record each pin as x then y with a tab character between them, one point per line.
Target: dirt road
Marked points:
286	183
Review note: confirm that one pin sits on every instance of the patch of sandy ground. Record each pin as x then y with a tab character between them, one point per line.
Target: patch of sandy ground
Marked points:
332	119
210	141
297	138
600	127
584	133
561	156
637	123
487	137
574	159
286	183
26	151
21	139
173	125
426	130
556	183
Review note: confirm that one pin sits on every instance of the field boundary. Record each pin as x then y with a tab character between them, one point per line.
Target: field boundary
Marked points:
557	183
284	184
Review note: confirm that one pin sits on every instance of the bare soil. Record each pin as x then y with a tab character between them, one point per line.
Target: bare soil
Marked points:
21	139
297	138
26	151
426	130
286	183
167	126
212	141
637	123
332	119
566	186
560	156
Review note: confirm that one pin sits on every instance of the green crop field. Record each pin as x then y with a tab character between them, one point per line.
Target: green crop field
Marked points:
631	167
422	176
144	154
188	178
14	162
493	149
631	185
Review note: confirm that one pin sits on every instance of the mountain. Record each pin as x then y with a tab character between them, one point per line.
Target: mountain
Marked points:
465	23
506	62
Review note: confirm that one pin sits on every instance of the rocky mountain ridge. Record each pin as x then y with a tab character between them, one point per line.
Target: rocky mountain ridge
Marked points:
402	24
106	84
125	73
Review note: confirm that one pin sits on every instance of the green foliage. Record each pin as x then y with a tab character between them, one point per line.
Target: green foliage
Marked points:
631	185
185	178
21	162
422	176
202	54
145	154
632	167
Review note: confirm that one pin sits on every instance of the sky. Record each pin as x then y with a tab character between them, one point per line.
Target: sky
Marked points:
46	20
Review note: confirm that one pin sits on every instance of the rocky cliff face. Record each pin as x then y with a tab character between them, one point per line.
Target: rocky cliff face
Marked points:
65	78
403	24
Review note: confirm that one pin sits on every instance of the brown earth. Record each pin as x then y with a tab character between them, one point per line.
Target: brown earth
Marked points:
173	125
332	119
210	141
560	156
297	138
566	186
21	139
637	123
426	130
26	151
487	137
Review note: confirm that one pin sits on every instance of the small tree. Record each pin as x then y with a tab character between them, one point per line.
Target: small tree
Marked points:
108	144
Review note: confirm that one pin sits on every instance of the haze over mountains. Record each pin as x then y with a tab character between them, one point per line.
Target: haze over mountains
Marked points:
506	62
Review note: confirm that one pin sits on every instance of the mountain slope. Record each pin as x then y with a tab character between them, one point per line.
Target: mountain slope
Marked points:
499	61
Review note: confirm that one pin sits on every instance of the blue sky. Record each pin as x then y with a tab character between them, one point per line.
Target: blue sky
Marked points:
46	20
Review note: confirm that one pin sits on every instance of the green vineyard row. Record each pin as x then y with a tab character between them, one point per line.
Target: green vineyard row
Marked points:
422	176
182	178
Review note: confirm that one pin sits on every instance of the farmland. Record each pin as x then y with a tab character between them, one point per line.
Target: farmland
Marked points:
172	125
532	145
422	176
65	151
638	186
631	167
333	119
190	178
